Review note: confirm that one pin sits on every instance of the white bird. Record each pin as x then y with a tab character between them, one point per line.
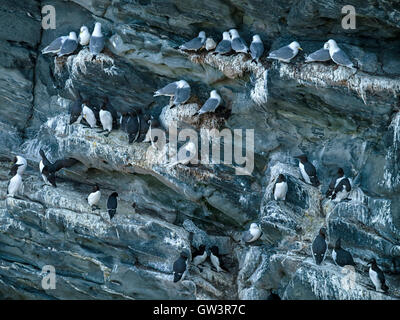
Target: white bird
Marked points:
106	119
252	234
14	185
96	43
84	36
94	197
69	45
280	188
211	104
238	44
286	53
200	255
196	43
319	55
89	116
256	48
338	55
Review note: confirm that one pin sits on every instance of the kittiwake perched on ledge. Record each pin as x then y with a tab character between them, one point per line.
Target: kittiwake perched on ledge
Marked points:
180	90
338	55
320	55
195	44
211	104
256	48
238	44
55	45
69	45
96	43
252	234
286	53
225	46
84	36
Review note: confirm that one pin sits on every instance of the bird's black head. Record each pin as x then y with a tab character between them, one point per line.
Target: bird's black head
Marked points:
184	255
338	243
114	194
202	248
103	107
340	172
15	159
96	188
303	158
41	152
281	178
322	232
214	250
372	262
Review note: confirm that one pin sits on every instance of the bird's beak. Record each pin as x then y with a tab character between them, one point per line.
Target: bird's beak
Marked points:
301	49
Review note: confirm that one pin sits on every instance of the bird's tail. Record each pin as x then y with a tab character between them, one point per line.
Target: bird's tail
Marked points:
315	182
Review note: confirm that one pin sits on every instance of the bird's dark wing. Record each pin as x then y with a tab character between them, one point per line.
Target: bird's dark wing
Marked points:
182	95
13	170
112	203
256	49
96	44
179	266
343	183
69	46
331	187
46	162
310	169
62	163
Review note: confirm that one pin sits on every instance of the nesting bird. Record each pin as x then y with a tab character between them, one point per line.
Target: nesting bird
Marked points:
286	53
19	166
280	188
55	45
256	48
112	204
320	55
75	111
340	256
131	124
253	234
96	43
94	197
84	36
180	267
106	120
195	44
88	115
308	171
339	188
238	44
225	45
178	90
215	258
69	45
200	255
377	277
319	247
338	55
211	104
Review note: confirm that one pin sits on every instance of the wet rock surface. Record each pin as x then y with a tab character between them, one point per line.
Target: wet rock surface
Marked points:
337	116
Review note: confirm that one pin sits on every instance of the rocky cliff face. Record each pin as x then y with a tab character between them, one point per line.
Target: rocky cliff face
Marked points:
336	116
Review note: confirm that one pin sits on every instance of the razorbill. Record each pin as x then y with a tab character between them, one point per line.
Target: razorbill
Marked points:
88	115
180	267
94	197
132	126
84	36
200	255
308	171
342	257
75	111
19	166
377	276
286	53
195	44
211	104
238	44
334	182
14	185
319	247
280	188
252	234
338	55
225	46
342	190
256	48
112	204
96	42
144	126
106	120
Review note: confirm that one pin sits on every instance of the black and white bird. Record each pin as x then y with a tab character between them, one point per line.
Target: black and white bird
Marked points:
75	110
334	182
55	45
211	104
319	247
94	197
216	259
256	48
14	185
286	53
178	90
339	188
320	55
88	115
112	204
195	44
340	256
377	277
200	255
48	169
338	55
106	120
308	171
225	46
69	45
144	119
96	43
131	124
280	188
84	36
238	44
253	234
180	267
19	166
